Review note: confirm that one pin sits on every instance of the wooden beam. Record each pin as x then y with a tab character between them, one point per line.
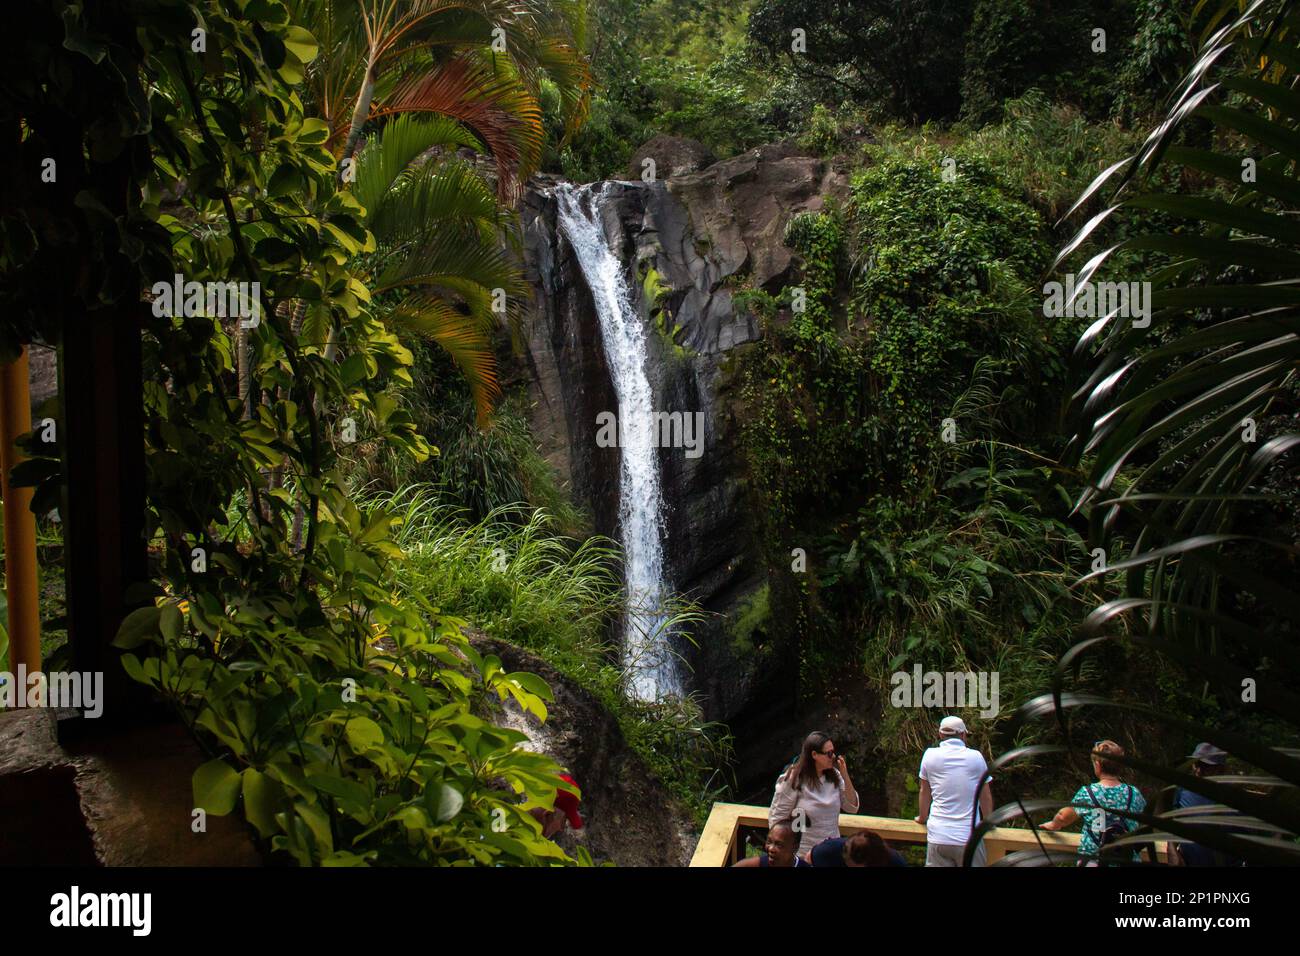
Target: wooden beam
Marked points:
101	393
20	524
715	844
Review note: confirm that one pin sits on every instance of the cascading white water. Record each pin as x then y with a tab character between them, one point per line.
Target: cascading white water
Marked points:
647	655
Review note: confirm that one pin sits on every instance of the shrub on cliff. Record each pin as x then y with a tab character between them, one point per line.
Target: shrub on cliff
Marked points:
897	427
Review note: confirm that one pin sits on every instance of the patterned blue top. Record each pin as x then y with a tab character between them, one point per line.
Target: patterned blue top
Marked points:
1094	819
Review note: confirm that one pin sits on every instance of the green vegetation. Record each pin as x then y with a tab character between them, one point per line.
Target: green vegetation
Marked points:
903	422
341	716
478	468
344	497
521	582
824	72
754	615
1190	476
336	752
908	418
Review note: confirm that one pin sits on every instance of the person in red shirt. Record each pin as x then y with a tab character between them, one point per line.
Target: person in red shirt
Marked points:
565	812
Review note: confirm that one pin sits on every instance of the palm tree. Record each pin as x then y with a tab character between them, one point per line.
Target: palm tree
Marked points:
480	62
472	70
1182	431
443	240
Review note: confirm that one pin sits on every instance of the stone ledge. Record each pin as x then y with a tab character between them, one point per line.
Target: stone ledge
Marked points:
120	799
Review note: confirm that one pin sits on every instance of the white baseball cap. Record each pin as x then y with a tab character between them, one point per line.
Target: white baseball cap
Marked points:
952	725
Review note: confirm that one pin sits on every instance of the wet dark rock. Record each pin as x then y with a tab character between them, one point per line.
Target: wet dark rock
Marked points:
629	818
672	155
707	233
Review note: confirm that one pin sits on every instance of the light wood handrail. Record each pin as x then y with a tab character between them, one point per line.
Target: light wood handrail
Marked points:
717	843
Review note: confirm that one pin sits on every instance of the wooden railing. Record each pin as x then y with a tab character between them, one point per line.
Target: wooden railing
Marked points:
719	844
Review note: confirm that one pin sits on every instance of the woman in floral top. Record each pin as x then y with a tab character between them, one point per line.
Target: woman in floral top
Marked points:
1092	801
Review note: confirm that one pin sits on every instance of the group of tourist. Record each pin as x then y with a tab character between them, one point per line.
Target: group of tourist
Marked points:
955	795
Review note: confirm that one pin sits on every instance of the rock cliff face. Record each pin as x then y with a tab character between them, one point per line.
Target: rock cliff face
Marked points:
705	234
630	818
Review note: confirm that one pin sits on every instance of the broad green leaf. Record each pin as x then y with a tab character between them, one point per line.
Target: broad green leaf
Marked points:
171	622
314	131
319	825
263	799
300	43
139	627
363	733
216	787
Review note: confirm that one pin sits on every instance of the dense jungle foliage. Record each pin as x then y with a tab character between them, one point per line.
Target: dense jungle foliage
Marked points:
342	498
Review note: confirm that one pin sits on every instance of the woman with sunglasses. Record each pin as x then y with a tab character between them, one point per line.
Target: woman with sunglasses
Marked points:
811	795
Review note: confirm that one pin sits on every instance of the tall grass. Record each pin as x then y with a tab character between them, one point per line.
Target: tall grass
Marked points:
510	573
518	580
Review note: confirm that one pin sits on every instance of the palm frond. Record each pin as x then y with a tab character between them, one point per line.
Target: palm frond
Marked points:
438	197
1168	413
462	337
386	161
503	114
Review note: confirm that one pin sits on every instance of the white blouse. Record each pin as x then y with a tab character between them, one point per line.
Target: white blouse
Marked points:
820	805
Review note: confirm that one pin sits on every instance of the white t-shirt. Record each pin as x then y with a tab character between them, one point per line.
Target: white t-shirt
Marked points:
819	807
954	772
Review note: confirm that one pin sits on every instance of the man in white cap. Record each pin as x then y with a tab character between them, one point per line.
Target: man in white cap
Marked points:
951	773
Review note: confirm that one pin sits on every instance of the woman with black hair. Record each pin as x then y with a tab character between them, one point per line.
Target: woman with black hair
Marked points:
811	795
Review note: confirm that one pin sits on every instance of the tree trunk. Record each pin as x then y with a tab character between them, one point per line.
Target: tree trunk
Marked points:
361	113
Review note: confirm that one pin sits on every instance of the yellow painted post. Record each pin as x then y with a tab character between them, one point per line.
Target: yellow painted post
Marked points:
20	523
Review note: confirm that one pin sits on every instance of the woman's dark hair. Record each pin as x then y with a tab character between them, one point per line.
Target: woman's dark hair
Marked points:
1104	749
867	849
803	773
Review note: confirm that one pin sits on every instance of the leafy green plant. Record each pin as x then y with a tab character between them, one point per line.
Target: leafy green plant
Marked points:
1180	496
972	575
344	748
520	581
752	616
906	424
479	468
339	717
823	133
1051	150
714	105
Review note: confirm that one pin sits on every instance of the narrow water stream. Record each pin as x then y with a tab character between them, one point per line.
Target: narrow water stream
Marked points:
647	655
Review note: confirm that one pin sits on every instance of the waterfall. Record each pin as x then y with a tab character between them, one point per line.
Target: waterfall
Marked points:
647	655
